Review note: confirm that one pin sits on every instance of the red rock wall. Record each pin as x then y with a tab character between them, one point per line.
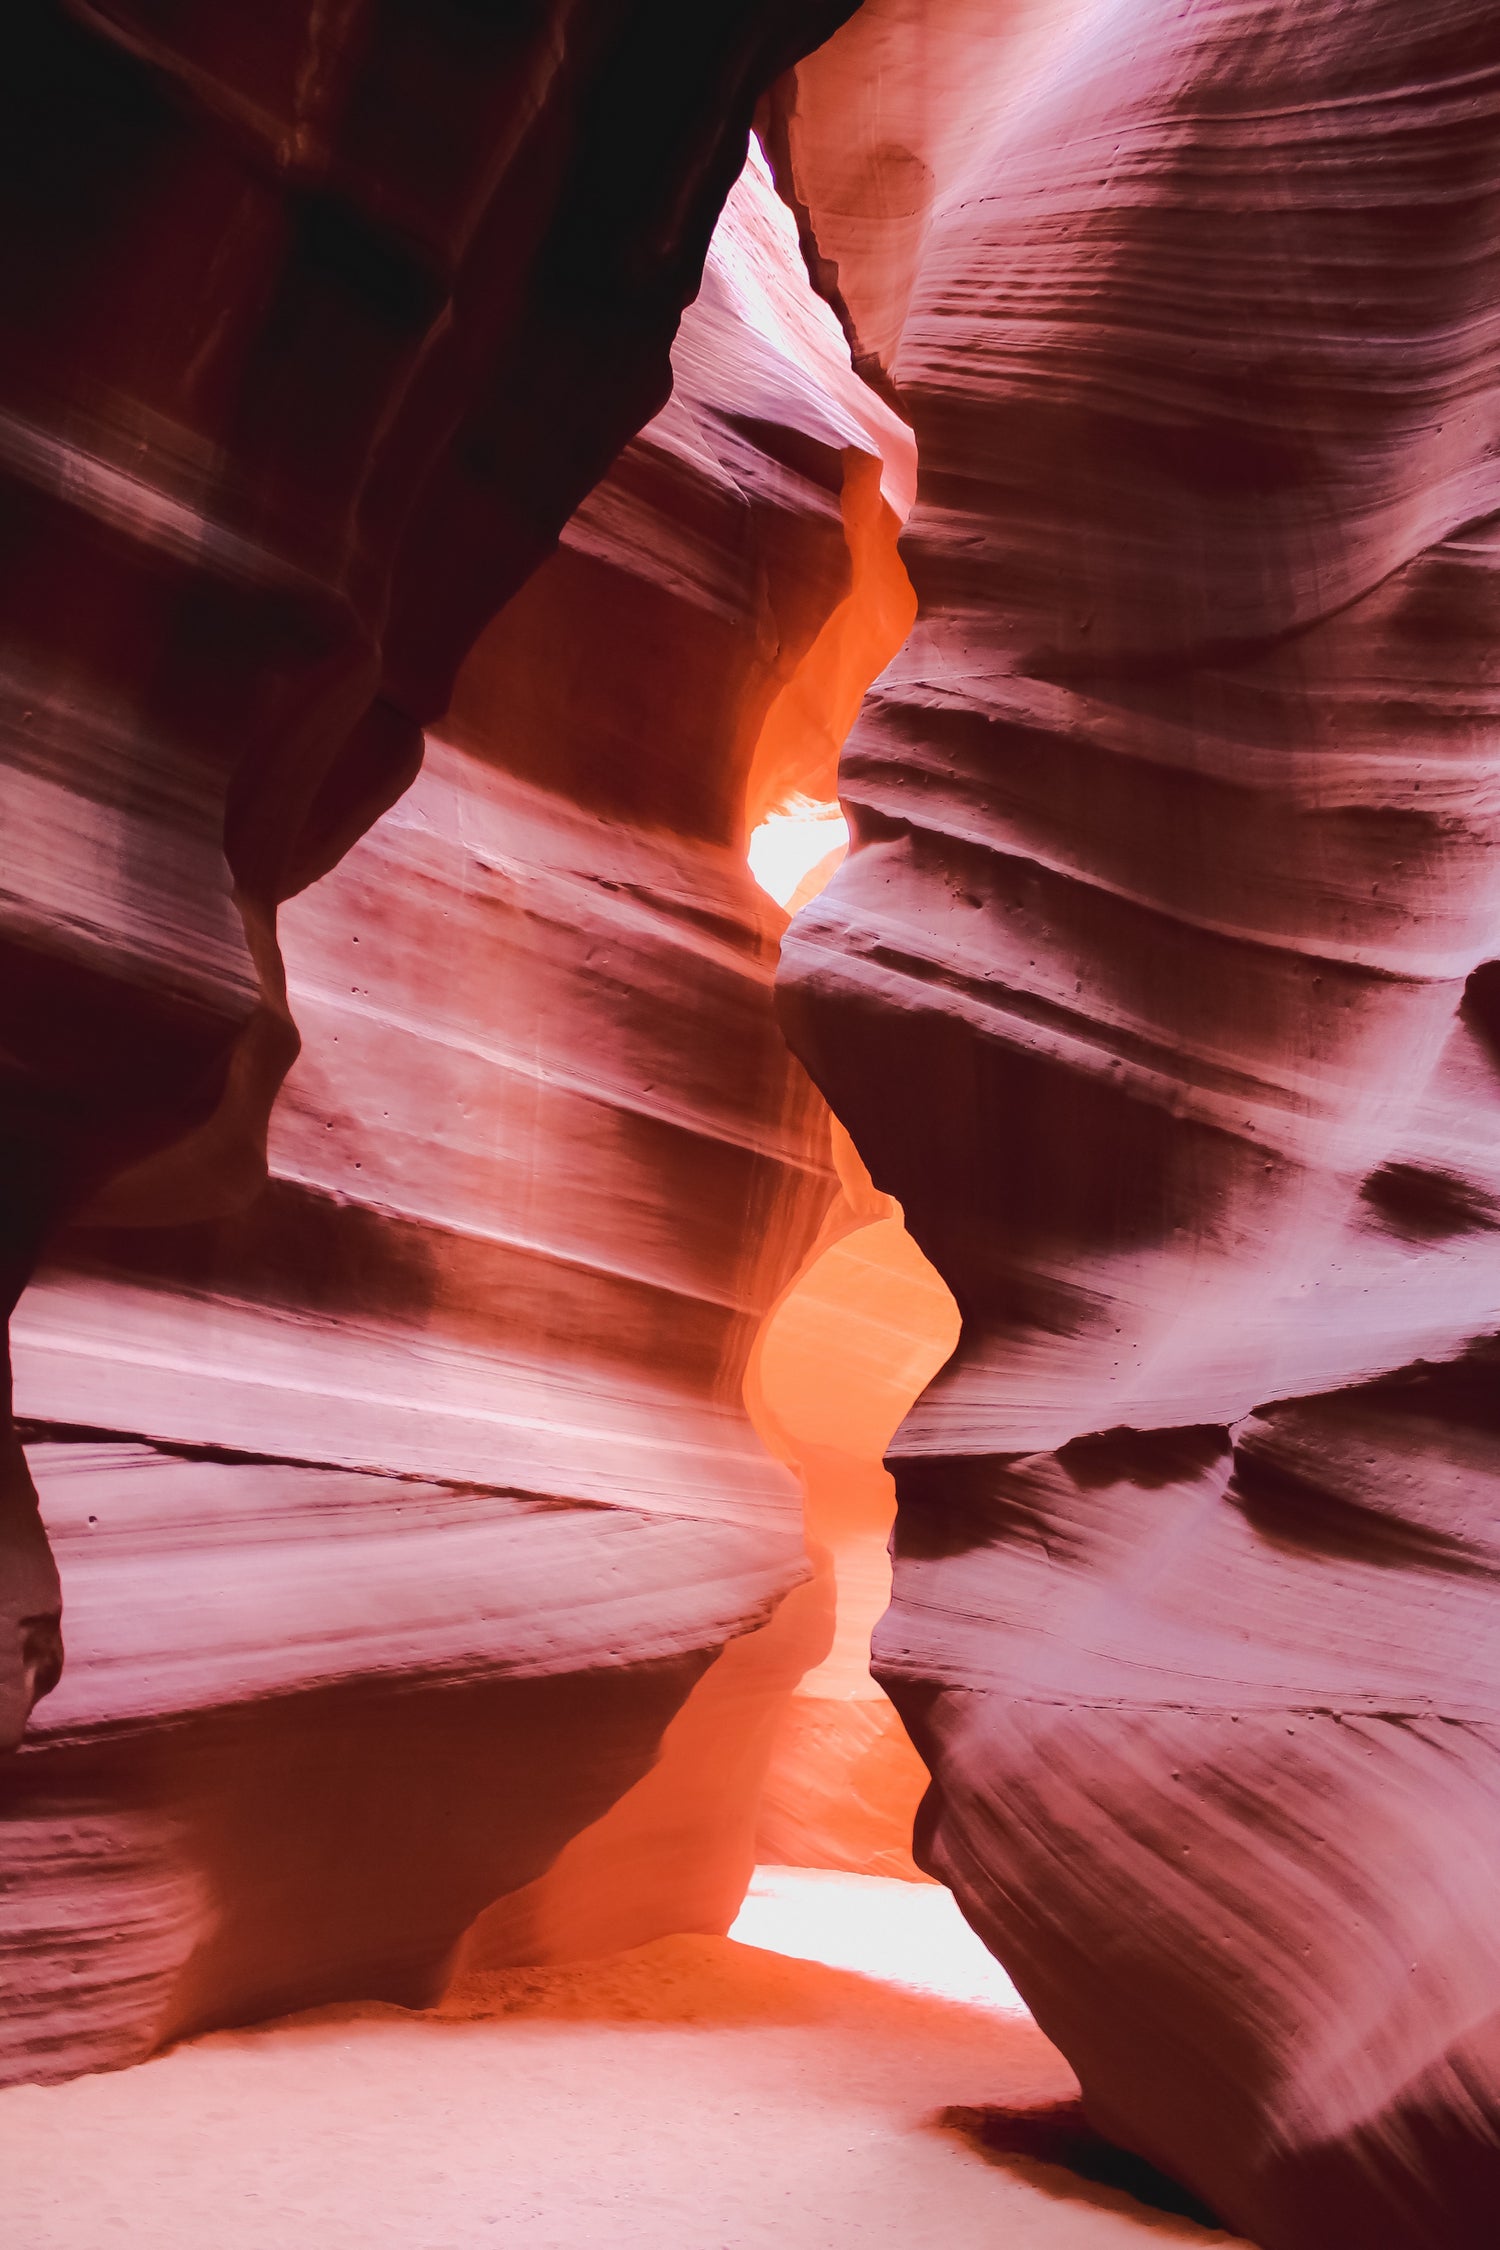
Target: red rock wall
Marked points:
318	324
401	1505
1160	987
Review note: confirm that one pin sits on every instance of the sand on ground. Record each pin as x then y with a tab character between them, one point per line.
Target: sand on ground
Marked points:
698	2094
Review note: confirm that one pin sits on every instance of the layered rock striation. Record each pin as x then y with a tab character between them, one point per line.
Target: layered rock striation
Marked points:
407	1498
848	1347
400	1511
319	324
1159	986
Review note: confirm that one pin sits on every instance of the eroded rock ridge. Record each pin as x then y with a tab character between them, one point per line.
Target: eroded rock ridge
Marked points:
1159	987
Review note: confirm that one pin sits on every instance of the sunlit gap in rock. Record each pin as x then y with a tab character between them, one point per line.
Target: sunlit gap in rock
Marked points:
795	849
840	1360
907	1934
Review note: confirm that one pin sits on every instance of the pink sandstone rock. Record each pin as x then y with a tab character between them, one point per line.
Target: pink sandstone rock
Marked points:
318	326
1159	986
403	1501
400	1511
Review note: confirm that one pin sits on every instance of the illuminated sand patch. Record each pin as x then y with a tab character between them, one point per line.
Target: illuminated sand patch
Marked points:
696	2094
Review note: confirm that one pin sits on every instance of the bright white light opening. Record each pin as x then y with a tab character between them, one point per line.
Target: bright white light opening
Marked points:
794	841
908	1934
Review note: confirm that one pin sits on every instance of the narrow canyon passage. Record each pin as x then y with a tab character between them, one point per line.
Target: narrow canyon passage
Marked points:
424	1569
843	1355
682	687
772	2097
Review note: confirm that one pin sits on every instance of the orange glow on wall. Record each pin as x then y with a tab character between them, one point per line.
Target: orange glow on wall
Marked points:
843	1355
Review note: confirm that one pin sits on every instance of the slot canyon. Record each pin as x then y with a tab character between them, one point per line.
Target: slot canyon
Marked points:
749	1141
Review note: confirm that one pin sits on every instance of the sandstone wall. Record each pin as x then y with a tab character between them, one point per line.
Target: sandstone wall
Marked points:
1160	988
401	1505
318	325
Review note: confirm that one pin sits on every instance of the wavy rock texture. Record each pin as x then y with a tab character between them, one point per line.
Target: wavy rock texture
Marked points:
1159	988
319	323
439	1493
851	1343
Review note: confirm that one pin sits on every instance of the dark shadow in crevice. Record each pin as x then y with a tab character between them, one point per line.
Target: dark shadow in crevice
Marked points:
1480	1007
1059	2134
1427	1203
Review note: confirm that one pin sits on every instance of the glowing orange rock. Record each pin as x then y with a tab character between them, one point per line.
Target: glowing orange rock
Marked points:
852	1343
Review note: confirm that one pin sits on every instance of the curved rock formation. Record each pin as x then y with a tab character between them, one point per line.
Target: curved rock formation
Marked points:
318	324
399	1513
852	1342
1159	987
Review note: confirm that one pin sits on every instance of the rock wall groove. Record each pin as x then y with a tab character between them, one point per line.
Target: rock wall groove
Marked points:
402	1497
318	325
1159	987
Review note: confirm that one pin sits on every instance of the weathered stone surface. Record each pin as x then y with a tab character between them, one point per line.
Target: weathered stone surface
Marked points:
437	1493
318	325
851	1344
1158	987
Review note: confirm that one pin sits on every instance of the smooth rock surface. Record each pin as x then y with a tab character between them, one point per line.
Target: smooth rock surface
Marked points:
436	1492
318	325
844	1353
1159	986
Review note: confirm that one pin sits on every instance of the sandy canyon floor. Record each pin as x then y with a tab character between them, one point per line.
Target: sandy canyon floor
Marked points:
699	2094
